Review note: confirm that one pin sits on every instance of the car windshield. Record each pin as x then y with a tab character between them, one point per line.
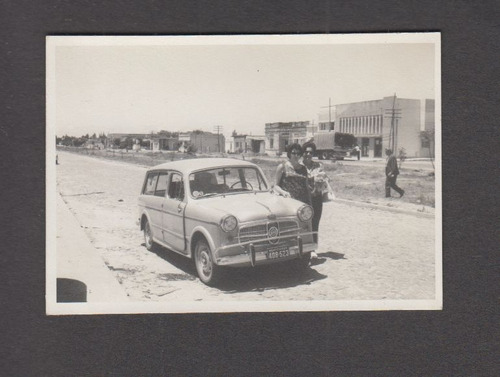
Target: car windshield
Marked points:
228	180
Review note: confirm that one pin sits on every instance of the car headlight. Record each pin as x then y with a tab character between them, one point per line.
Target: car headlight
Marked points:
305	213
228	223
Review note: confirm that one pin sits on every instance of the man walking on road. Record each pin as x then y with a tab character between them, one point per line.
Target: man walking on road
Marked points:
358	151
391	175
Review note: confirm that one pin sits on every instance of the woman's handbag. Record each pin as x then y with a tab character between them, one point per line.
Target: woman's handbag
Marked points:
328	194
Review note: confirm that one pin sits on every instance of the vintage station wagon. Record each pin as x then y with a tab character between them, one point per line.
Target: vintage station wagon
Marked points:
222	213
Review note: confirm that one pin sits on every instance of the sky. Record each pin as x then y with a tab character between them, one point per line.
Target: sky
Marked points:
142	85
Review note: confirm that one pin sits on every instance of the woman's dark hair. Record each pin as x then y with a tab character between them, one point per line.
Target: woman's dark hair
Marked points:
309	144
294	146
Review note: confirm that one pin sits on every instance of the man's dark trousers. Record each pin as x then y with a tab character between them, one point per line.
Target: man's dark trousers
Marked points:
390	182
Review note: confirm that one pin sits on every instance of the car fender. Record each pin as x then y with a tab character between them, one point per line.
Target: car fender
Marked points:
144	213
206	234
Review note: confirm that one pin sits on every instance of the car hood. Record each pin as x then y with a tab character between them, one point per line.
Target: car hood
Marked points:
249	207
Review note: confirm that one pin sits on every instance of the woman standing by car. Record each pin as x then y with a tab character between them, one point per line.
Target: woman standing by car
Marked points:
292	178
317	184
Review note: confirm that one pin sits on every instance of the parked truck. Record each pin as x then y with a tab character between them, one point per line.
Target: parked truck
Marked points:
333	145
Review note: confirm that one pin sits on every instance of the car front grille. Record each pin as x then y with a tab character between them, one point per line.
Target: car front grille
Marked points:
259	231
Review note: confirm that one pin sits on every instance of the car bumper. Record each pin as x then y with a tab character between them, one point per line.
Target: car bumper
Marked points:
258	252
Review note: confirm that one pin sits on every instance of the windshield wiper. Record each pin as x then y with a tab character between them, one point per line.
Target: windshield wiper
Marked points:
211	194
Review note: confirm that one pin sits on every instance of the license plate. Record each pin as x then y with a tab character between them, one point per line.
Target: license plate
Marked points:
277	252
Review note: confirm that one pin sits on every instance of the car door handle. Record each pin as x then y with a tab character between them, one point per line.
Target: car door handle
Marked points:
179	208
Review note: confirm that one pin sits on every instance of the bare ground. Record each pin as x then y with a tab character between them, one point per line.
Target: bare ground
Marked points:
366	251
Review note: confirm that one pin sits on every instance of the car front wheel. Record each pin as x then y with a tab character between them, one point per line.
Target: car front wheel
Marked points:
148	236
207	270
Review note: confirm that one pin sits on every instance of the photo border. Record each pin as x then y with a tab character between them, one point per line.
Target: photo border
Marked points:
55	308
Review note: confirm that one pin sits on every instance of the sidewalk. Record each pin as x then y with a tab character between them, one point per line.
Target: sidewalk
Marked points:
78	260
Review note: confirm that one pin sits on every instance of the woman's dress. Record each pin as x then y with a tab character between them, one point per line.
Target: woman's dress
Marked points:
295	182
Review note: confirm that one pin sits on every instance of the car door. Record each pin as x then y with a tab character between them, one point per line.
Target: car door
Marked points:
173	213
152	203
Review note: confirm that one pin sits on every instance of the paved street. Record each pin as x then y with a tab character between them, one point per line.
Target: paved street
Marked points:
366	253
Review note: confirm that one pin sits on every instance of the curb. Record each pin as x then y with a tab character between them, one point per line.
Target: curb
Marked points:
78	260
385	208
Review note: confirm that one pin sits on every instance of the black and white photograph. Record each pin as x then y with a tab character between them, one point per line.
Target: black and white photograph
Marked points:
243	173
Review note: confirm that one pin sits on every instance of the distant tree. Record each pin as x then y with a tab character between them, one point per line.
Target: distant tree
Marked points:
191	149
401	156
345	140
427	138
94	136
66	140
116	142
168	133
127	143
78	142
234	134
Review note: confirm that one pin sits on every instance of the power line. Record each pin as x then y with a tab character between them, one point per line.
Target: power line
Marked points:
329	113
218	129
394	114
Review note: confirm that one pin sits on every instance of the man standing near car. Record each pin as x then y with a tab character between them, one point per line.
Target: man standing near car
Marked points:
391	175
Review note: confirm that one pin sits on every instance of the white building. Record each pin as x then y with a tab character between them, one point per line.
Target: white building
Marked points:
375	128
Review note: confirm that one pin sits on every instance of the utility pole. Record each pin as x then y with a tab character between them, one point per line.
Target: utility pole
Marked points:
394	114
218	129
329	113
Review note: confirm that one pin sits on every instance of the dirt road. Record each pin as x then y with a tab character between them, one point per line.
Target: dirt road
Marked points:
365	253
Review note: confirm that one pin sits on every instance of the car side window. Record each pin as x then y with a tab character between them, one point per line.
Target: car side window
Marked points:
150	184
161	186
176	187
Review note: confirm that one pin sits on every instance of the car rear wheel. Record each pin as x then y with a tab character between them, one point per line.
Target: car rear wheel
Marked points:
208	271
148	236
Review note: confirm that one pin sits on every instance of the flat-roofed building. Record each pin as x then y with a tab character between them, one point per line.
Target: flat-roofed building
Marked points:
372	124
281	134
203	142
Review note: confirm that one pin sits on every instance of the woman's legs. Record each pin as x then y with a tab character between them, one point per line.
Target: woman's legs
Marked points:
317	204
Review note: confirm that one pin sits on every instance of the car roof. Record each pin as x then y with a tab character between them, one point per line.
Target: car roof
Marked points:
188	165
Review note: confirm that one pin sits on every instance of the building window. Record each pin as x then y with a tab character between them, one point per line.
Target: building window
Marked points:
271	143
